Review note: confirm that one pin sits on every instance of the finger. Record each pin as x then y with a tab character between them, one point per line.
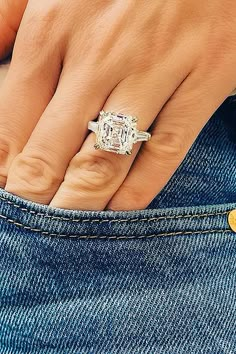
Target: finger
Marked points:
28	87
11	12
175	130
93	176
38	171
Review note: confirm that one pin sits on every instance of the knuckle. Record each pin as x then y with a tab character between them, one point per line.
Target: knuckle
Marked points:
35	174
4	151
8	150
211	59
92	172
168	145
137	198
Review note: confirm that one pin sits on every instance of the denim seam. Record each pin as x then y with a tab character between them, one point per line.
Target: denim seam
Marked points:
114	237
90	220
150	219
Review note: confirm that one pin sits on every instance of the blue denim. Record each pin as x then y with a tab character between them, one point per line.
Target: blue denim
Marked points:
156	281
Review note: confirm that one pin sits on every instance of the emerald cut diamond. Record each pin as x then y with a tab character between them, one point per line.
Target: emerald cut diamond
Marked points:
116	132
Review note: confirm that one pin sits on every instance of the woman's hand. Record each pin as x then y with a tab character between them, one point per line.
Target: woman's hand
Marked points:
171	63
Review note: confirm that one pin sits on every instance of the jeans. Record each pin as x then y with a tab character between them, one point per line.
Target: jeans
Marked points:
156	281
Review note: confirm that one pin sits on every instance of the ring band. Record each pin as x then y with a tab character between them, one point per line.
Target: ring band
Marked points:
117	132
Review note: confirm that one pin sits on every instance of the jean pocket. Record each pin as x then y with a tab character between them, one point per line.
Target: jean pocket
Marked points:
31	217
76	281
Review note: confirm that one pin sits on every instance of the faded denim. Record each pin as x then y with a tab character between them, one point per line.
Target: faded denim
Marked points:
156	281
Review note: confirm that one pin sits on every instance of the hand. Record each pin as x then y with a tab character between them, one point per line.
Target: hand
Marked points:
171	63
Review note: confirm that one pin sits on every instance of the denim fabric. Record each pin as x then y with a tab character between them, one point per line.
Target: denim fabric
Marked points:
156	281
208	174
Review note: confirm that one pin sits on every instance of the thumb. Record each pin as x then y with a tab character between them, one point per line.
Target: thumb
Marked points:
11	12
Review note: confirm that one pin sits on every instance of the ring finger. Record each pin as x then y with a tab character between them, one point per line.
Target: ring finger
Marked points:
93	176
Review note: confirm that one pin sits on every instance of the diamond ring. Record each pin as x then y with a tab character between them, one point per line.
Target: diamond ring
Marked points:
117	132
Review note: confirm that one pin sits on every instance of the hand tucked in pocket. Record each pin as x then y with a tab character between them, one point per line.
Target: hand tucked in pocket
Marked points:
170	63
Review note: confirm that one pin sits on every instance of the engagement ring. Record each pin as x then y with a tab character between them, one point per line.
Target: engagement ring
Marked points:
117	132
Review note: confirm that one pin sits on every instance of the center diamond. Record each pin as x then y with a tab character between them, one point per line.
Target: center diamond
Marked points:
116	132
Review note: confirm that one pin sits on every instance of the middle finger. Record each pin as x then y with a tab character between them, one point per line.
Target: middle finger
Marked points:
37	172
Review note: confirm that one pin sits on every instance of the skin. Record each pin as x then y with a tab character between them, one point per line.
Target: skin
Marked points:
171	63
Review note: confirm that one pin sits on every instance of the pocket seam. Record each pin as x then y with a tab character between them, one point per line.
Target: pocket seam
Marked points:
113	220
114	237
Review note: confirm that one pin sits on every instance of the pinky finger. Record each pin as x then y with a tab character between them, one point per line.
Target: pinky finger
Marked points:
174	131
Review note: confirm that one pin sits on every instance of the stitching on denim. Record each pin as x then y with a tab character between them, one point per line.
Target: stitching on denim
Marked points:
150	219
100	221
114	237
